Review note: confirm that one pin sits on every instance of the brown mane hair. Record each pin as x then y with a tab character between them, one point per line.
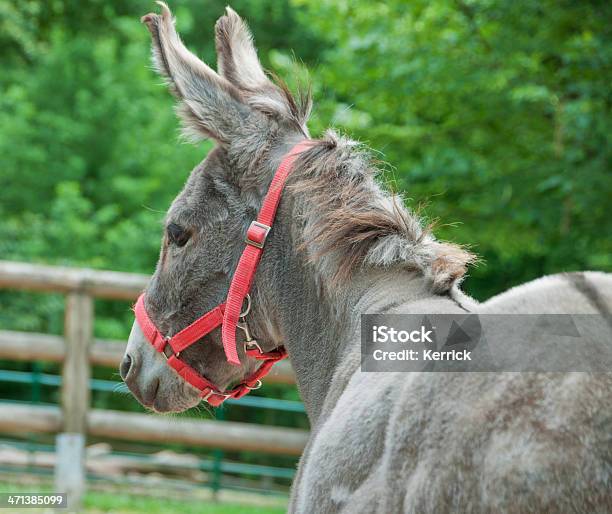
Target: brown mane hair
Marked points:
351	221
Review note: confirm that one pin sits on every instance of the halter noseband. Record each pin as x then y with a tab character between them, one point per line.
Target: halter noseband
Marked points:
228	315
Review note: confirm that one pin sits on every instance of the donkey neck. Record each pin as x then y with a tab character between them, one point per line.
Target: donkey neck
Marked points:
319	325
319	322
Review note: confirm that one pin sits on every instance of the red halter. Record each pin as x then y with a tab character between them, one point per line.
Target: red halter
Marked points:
229	313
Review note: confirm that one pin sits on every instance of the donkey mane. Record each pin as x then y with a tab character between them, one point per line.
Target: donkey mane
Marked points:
350	221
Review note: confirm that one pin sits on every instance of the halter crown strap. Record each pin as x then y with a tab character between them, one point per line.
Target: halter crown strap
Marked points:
255	239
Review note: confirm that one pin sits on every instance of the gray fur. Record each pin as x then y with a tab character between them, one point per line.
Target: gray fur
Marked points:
382	442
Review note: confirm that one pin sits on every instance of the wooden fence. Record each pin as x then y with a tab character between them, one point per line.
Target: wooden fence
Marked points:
78	350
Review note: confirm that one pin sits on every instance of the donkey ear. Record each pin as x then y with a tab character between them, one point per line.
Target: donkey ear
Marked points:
209	105
237	61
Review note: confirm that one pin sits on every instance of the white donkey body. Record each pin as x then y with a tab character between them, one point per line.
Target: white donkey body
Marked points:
468	442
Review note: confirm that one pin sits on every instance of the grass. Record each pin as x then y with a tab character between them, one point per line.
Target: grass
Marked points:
126	504
97	502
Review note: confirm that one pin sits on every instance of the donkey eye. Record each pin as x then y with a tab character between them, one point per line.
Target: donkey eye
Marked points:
177	234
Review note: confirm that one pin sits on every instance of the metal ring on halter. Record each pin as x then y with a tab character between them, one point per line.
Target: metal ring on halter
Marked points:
256	386
248	307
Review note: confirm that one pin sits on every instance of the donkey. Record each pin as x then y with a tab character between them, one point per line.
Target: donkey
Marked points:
341	246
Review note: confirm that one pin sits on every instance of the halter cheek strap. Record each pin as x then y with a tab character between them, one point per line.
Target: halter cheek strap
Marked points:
255	239
228	315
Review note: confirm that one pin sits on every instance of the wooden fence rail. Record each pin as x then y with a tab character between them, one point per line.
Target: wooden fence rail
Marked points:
77	350
99	284
33	346
130	426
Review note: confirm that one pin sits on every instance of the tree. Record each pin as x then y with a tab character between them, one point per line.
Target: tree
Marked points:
496	114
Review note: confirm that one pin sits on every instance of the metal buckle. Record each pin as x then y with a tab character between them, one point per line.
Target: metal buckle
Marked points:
217	393
252	345
167	345
163	351
257	244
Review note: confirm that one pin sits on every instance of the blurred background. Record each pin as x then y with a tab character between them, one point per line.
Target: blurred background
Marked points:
493	117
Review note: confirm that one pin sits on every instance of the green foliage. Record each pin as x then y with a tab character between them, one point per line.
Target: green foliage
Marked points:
497	114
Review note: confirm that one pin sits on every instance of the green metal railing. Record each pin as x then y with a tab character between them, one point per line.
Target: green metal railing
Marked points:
37	378
217	466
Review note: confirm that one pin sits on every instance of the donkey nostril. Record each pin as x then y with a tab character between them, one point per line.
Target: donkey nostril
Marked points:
126	365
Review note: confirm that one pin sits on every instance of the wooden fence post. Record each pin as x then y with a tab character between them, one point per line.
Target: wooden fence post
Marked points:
75	398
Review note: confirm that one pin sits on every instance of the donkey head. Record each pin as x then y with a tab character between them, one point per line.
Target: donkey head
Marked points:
345	221
254	122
